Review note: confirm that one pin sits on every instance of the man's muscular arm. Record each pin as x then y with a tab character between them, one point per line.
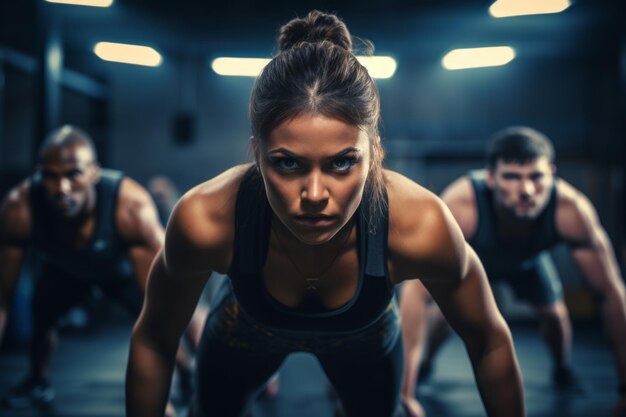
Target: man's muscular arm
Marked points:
578	224
139	225
15	227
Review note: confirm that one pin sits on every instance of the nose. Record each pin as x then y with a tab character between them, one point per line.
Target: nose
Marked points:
527	187
314	190
62	186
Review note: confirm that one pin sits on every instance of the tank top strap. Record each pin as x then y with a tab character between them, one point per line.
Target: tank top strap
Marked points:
252	224
485	231
36	202
373	230
107	192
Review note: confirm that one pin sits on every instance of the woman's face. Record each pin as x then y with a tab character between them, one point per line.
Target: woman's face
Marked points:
314	169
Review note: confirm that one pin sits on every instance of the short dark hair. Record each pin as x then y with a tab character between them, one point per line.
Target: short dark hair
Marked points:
67	135
518	144
316	72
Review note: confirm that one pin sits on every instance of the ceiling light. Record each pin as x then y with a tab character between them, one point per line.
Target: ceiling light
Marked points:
93	3
506	8
377	66
242	67
128	54
478	57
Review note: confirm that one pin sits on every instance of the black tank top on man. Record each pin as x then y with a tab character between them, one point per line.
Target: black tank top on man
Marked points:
104	257
253	220
498	257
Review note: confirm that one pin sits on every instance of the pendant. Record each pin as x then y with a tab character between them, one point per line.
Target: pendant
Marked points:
311	283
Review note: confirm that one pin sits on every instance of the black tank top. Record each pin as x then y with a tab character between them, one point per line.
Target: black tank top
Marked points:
498	257
104	257
252	233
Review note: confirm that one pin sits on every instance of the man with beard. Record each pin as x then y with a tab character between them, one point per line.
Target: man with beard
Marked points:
512	213
89	227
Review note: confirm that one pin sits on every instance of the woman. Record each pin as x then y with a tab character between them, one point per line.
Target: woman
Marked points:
313	236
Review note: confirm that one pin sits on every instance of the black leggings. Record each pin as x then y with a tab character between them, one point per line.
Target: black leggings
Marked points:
237	356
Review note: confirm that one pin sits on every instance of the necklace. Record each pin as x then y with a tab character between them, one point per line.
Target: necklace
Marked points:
312	280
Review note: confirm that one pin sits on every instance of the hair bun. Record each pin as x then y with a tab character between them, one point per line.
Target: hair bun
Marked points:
316	27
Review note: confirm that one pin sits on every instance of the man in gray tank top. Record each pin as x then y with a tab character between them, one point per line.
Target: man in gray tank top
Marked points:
88	227
512	213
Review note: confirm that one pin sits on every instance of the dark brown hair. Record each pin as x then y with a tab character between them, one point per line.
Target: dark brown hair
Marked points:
316	72
518	144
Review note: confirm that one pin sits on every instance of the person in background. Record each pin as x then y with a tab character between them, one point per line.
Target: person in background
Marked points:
511	214
89	227
165	195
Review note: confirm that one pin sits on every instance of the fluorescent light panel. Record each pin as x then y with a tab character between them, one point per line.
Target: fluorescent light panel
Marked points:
478	57
128	54
377	66
239	67
507	8
93	3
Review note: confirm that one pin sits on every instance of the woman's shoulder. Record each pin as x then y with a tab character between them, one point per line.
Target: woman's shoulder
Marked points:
407	198
423	235
202	222
226	183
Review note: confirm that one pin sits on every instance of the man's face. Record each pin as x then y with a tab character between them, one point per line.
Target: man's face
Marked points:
522	189
69	175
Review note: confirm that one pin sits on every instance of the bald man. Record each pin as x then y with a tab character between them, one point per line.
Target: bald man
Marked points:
89	227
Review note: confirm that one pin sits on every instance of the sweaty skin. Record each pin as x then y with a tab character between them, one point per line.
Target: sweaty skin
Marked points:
69	177
314	169
521	191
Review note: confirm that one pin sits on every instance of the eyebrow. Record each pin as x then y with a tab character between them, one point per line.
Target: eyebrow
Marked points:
516	174
64	173
296	156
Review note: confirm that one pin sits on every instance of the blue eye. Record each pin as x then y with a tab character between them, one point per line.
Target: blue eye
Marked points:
344	164
285	164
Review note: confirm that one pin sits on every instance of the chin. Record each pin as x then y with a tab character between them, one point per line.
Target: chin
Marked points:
528	215
66	214
69	213
314	239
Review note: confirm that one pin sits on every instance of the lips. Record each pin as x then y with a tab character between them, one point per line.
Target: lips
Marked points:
63	203
314	220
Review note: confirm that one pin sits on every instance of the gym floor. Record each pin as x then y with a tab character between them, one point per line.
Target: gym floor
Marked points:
88	374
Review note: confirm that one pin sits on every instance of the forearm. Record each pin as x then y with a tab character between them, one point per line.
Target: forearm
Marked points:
148	380
3	322
5	306
413	312
10	266
499	380
142	258
615	323
599	267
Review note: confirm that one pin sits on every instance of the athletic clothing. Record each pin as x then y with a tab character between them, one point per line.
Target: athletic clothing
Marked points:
252	234
248	334
64	275
104	257
527	267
